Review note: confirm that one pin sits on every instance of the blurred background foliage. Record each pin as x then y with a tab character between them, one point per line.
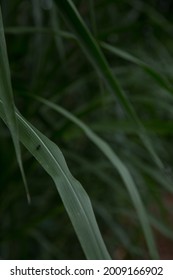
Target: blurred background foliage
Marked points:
44	63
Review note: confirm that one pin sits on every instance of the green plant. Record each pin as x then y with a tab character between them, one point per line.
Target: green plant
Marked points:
120	102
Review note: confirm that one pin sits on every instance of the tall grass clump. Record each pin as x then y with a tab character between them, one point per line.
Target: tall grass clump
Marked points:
85	89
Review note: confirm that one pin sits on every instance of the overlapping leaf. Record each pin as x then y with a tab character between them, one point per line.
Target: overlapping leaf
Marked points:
121	168
96	57
74	197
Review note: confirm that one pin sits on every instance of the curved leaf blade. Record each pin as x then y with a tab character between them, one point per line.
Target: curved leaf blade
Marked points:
121	168
147	68
98	60
6	95
74	197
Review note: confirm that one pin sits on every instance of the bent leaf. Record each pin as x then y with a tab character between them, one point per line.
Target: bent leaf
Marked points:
121	168
74	197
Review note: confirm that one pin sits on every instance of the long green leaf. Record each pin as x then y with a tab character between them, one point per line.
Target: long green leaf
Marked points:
6	95
44	30
147	68
121	168
96	57
74	197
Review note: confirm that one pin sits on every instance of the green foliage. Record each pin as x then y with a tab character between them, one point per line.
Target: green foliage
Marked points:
102	68
6	96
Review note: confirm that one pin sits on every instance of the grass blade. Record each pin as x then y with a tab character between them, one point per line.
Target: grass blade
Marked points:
121	168
162	82
96	57
6	95
74	197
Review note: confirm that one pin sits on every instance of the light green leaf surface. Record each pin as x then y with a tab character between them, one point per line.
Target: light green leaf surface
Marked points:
74	197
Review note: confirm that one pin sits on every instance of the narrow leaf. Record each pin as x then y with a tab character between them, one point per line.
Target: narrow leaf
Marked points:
96	57
147	68
74	197
121	168
6	95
